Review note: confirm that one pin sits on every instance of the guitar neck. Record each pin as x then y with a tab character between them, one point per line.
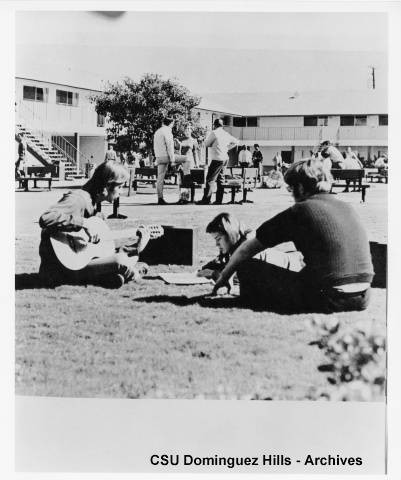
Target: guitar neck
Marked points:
127	233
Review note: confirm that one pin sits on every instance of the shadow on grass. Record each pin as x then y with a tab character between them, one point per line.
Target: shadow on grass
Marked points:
183	301
32	281
28	281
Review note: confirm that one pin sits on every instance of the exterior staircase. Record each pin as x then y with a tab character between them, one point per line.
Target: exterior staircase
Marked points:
51	153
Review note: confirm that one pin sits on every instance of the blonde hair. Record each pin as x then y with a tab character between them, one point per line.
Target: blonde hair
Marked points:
312	174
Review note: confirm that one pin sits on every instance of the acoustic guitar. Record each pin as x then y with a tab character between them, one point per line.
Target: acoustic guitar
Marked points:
74	250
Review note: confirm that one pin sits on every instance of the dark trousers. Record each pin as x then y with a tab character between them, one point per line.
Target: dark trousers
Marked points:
263	285
215	174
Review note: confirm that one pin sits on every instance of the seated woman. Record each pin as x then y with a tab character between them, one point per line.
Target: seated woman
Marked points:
229	234
274	179
70	214
338	267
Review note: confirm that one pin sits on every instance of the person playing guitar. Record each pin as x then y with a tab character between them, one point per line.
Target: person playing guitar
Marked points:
73	213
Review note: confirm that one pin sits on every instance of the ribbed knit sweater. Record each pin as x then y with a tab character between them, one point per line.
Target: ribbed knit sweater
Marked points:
330	236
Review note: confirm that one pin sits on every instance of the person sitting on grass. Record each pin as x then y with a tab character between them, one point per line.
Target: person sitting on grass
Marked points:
274	179
338	266
229	233
70	214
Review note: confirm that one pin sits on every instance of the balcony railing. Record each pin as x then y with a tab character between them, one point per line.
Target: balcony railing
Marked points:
314	134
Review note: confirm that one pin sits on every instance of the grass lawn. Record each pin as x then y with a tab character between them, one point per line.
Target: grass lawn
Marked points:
152	340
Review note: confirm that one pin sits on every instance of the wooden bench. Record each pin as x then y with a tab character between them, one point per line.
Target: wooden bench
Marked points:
144	175
197	180
23	182
376	175
349	175
241	179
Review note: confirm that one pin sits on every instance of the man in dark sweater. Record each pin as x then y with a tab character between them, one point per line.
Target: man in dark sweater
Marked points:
338	268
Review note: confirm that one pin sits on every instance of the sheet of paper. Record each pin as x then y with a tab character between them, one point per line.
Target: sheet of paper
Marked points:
186	278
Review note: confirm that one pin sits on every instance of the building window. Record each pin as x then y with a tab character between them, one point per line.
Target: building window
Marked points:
64	97
37	94
251	121
353	120
347	120
239	122
360	120
322	121
383	119
100	120
310	121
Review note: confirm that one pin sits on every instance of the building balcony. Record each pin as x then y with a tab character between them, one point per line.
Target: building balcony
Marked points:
361	135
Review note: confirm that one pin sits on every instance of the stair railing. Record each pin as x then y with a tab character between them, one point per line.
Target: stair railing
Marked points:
27	116
73	155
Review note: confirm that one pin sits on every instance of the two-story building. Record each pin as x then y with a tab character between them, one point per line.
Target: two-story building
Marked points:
63	114
294	124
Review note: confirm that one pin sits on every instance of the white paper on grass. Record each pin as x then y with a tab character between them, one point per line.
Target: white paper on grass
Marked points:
186	278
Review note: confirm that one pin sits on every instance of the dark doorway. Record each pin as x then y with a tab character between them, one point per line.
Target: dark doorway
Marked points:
286	156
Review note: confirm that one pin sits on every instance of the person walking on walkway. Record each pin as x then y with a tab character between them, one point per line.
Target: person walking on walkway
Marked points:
163	146
219	142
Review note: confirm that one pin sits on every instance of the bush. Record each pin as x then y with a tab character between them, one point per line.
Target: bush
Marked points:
357	356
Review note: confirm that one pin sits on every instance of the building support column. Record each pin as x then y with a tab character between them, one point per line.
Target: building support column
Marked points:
76	144
292	154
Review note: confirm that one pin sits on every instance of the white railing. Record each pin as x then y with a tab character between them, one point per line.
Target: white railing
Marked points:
314	134
27	116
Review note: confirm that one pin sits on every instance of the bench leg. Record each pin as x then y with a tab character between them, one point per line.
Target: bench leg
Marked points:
232	194
192	194
25	183
50	185
363	194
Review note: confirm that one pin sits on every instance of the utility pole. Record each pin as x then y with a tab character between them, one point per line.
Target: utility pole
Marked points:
373	77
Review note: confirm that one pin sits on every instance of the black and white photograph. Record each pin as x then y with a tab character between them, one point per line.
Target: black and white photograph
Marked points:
201	208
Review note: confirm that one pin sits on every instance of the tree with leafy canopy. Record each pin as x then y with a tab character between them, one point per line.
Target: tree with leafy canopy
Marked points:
135	110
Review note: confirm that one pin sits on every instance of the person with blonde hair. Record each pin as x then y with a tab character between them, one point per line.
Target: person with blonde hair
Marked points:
70	214
338	267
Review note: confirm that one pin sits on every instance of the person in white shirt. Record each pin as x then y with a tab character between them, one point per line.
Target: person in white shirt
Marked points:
163	146
219	142
351	161
110	154
242	155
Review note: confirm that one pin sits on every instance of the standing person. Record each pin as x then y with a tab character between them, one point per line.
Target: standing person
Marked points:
332	157
257	159
189	148
338	266
220	142
248	156
163	146
20	164
242	156
110	154
70	214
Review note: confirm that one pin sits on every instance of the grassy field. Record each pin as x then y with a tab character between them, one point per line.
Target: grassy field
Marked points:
152	340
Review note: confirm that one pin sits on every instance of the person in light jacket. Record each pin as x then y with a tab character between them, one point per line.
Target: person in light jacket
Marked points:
219	142
163	146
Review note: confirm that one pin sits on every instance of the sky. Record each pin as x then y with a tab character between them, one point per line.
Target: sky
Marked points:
207	52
